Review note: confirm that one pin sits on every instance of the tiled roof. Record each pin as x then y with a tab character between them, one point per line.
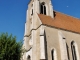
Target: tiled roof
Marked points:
61	21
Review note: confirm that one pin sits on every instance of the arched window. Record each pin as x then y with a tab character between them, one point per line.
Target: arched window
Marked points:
28	58
67	51
74	56
41	11
42	8
53	54
45	10
32	12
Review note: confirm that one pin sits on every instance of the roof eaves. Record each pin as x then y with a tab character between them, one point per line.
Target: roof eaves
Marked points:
61	28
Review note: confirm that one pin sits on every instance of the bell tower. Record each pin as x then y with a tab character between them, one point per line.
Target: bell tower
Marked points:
31	35
41	7
36	7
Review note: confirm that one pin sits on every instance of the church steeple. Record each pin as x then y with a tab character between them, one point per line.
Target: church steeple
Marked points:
41	7
35	7
32	27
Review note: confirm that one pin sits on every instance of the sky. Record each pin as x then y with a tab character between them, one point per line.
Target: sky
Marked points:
13	14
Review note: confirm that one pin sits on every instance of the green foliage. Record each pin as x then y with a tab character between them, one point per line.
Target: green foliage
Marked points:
9	48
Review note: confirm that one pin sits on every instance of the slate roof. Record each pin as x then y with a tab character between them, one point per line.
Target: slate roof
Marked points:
61	21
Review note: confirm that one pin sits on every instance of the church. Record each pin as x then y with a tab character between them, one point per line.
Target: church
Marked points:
50	35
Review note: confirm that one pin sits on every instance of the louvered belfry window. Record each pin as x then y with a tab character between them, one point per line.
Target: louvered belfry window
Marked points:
42	8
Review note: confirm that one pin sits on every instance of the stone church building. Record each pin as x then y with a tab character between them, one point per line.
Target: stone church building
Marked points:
50	35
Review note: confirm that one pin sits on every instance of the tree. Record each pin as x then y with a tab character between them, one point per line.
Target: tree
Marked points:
9	48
